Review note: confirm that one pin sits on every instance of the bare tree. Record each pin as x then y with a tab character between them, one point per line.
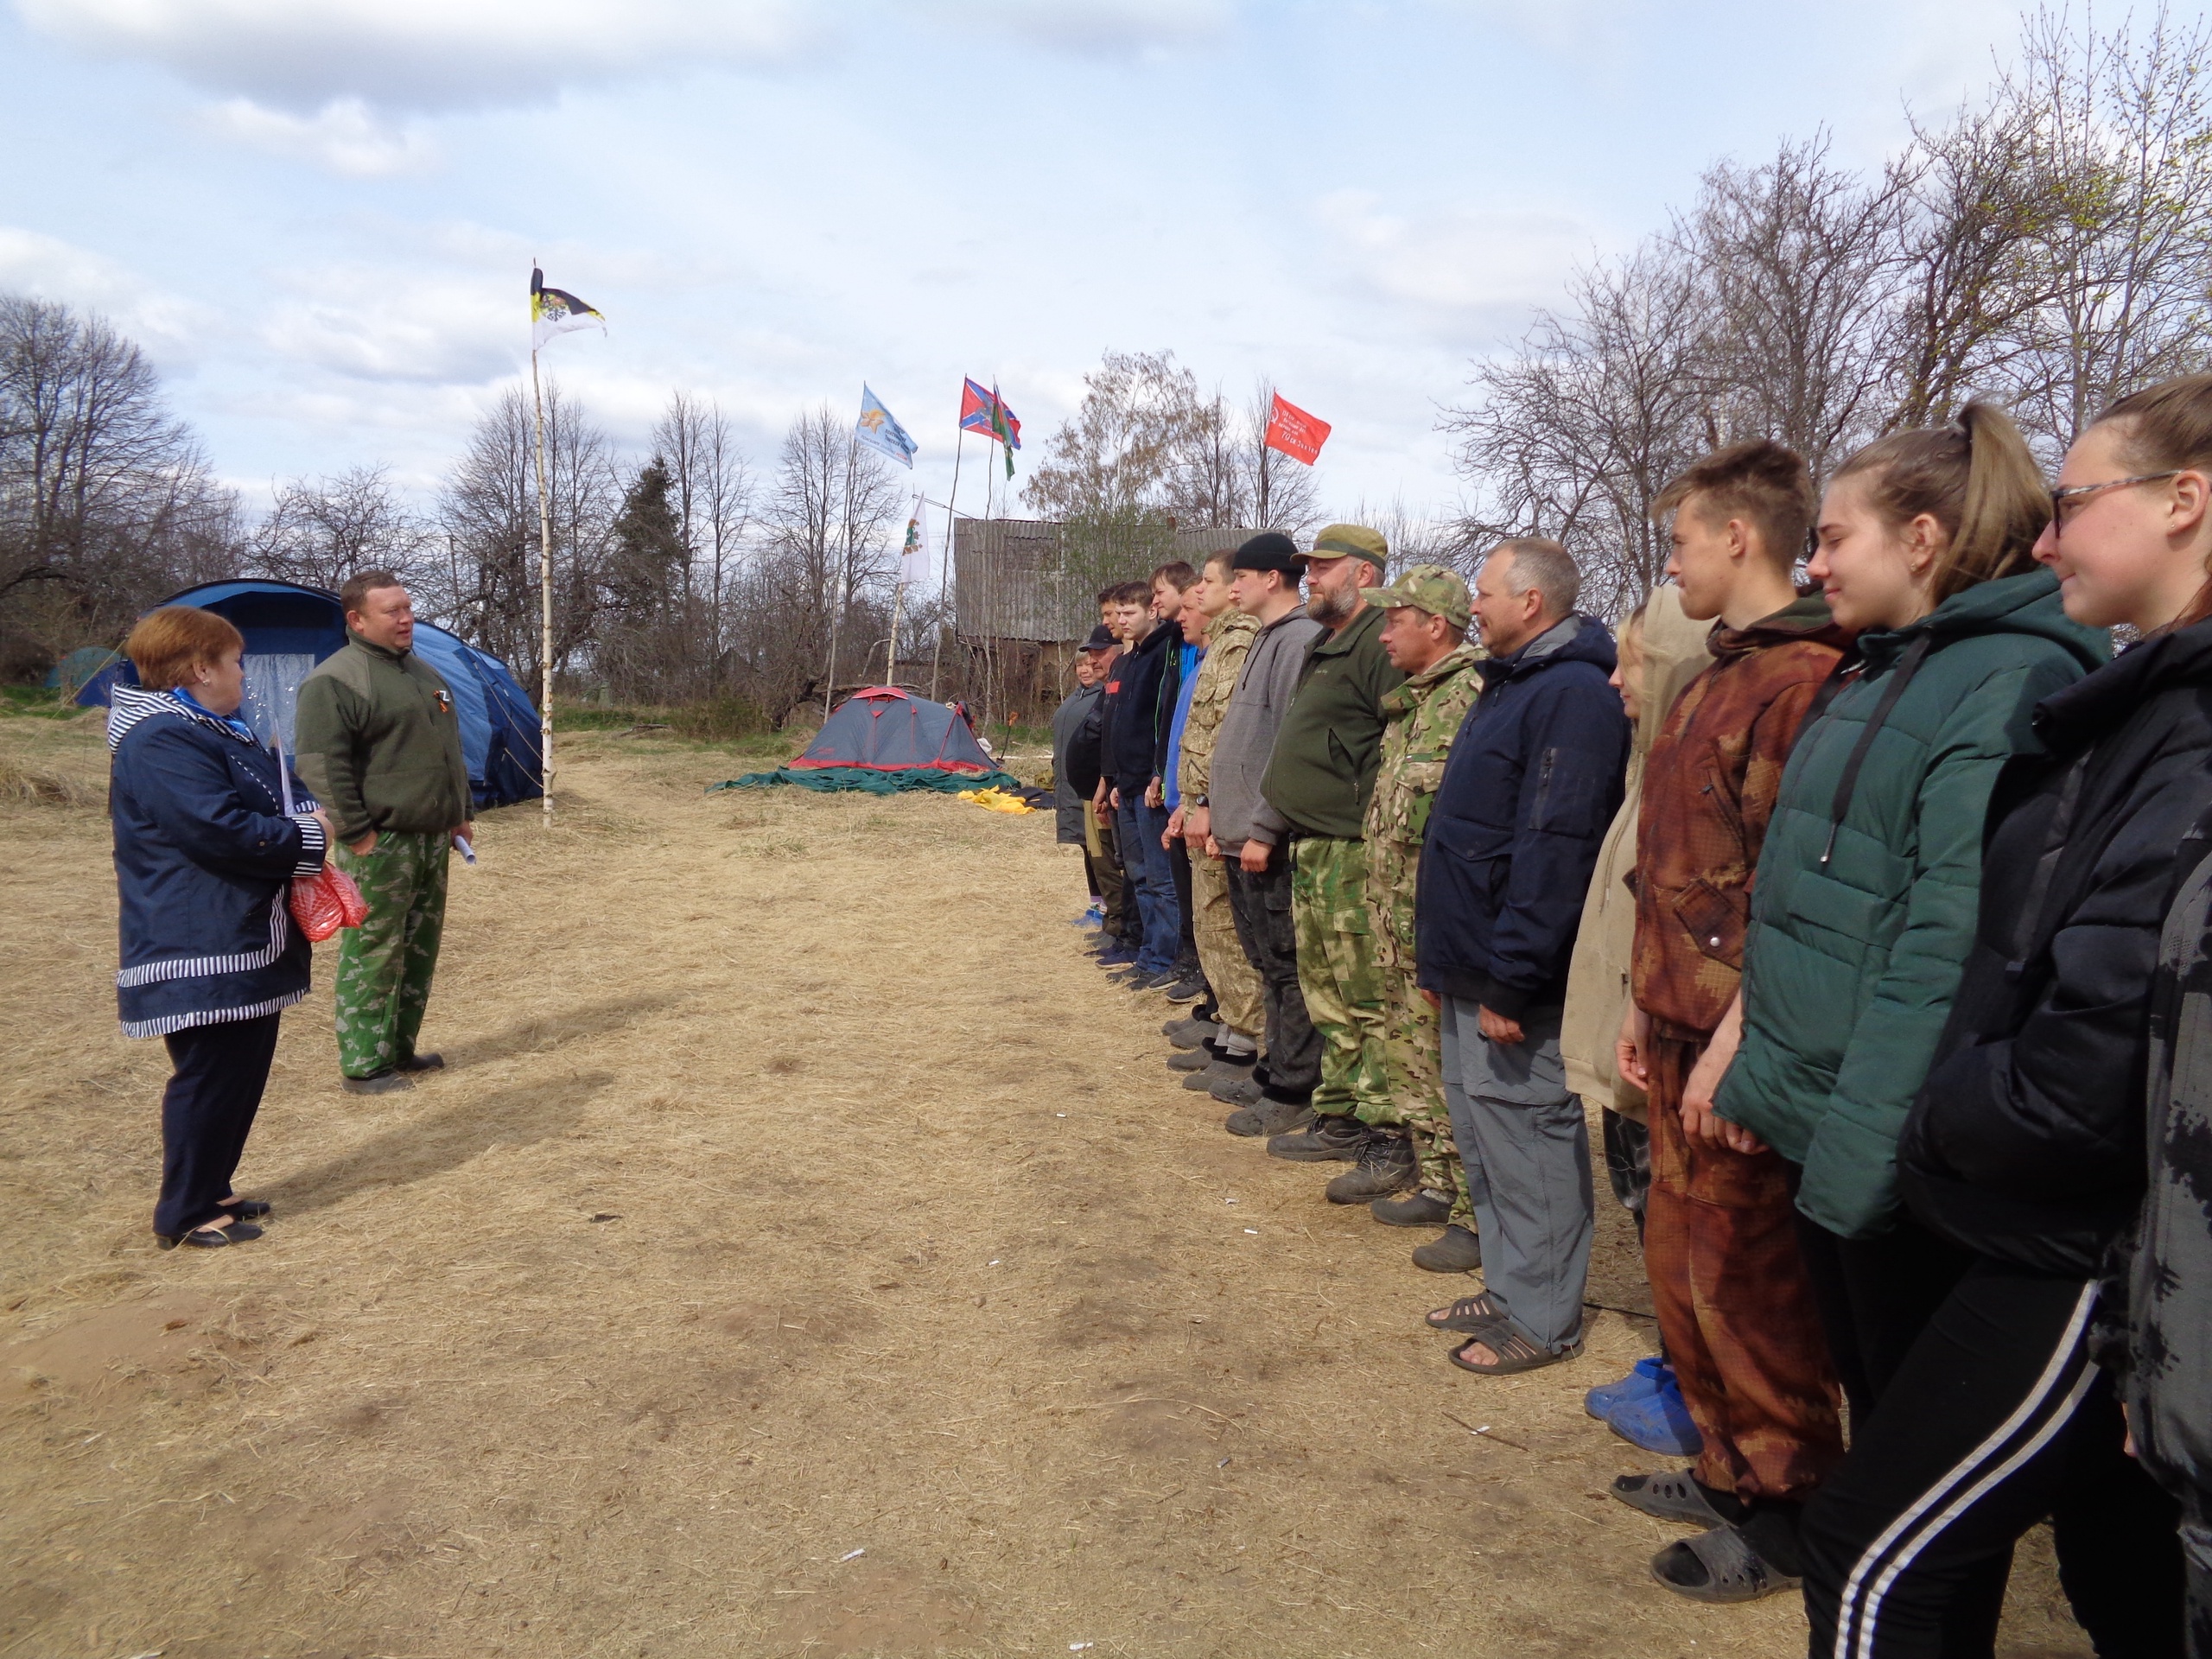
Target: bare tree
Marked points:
712	488
319	531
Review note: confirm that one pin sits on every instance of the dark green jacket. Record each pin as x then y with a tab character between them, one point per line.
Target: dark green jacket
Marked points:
1860	923
1323	767
379	743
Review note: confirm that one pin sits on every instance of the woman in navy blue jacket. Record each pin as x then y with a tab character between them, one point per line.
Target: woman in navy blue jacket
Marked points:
205	853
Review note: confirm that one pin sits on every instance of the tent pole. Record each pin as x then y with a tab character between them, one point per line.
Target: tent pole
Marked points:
544	603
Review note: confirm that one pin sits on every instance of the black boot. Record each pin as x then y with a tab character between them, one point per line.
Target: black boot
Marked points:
1458	1251
1335	1137
1387	1164
1424	1208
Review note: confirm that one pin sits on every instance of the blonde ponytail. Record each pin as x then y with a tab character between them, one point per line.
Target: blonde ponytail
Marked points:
1974	477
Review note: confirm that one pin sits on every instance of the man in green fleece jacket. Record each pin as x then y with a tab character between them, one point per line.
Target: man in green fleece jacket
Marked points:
1319	778
379	744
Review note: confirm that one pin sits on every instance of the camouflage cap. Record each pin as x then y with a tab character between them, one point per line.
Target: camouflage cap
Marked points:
1351	542
1428	587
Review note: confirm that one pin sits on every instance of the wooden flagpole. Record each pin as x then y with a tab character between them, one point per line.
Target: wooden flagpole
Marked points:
959	446
544	594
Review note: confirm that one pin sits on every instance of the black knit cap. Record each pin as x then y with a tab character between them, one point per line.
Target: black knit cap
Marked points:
1269	550
1102	638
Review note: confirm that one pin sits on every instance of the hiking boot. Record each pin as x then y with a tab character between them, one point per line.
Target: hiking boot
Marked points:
1426	1208
1269	1115
1387	1164
1189	1032
1334	1138
1187	990
378	1083
1226	1068
1456	1251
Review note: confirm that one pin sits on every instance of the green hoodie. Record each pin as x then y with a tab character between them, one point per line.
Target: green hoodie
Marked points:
1861	920
379	743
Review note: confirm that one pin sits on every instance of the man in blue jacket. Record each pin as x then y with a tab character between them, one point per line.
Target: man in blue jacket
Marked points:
1533	781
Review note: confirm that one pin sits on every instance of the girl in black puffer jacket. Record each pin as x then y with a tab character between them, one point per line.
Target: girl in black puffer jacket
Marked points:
2026	1143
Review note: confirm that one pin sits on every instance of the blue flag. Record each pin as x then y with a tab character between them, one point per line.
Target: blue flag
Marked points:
880	430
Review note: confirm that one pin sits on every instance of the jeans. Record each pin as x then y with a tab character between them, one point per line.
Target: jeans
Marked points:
1145	860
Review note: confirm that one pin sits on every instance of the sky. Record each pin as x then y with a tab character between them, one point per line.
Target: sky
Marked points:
319	216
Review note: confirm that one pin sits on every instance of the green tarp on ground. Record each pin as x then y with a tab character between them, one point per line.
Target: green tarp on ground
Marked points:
825	778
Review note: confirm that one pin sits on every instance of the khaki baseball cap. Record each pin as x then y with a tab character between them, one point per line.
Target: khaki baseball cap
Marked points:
1428	587
1351	542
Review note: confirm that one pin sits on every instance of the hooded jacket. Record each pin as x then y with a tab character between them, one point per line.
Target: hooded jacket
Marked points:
1533	780
1863	909
1246	738
1132	697
2026	1143
1672	649
205	854
1715	772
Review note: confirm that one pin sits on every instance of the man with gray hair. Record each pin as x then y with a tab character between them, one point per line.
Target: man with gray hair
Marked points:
1530	785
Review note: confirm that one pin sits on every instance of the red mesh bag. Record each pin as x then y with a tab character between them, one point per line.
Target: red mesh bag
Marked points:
325	901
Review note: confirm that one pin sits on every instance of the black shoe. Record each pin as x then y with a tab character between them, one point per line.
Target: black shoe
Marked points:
1228	1068
1187	990
1160	981
250	1208
1189	1032
211	1238
422	1063
1193	1059
1241	1091
1387	1164
1456	1251
1268	1116
1335	1138
378	1083
1425	1208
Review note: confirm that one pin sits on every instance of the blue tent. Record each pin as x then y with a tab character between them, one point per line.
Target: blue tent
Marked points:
289	629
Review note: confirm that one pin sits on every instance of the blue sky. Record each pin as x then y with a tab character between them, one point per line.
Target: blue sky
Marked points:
320	215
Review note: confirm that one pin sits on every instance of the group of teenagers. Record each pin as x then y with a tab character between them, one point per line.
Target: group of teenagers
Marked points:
1859	885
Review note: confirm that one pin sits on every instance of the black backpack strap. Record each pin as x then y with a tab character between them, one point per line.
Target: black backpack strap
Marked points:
1908	665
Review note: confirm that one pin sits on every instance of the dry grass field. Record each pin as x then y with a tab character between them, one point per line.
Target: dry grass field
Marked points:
804	1253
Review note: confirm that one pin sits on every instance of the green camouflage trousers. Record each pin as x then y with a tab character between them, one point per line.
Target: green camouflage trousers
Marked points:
384	965
1337	976
1412	1053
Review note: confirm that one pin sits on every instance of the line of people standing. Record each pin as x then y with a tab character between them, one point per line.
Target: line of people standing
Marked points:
1872	914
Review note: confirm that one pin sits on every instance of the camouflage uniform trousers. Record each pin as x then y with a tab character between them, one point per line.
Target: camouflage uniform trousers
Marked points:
1337	976
1411	1050
1230	974
384	965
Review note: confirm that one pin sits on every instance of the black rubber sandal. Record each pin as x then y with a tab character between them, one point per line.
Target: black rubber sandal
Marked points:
1515	1352
1468	1314
1733	1570
211	1238
1670	1497
249	1209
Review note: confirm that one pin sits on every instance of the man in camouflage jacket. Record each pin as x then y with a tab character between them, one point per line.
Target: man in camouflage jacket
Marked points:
1229	973
1424	632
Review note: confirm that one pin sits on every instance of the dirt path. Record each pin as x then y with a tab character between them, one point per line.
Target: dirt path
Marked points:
804	1253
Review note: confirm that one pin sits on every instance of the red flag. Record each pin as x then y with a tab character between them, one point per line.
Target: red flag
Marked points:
1295	432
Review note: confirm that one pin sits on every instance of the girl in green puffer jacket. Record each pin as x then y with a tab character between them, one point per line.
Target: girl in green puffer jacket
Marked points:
1864	906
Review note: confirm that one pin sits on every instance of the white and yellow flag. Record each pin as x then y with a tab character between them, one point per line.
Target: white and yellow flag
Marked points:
914	552
556	311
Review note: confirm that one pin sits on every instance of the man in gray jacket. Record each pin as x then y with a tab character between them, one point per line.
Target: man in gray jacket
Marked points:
1252	837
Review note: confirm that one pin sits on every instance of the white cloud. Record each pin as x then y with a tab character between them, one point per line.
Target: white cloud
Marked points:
1104	27
424	53
169	324
394	325
1480	267
345	136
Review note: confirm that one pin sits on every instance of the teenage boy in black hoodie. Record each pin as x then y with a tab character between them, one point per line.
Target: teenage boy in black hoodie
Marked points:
1132	698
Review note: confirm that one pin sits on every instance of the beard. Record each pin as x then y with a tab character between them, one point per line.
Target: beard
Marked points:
1328	607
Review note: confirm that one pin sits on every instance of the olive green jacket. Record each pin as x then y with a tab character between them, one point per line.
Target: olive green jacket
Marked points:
379	743
1322	770
1869	882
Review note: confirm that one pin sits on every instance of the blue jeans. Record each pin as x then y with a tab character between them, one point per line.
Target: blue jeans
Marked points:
1145	862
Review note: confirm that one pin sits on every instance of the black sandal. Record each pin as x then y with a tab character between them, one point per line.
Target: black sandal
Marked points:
249	1209
1516	1352
211	1238
1670	1497
1468	1314
1733	1570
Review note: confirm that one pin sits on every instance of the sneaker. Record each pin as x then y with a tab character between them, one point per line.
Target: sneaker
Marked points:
1456	1251
1387	1164
1645	1379
1269	1115
1116	955
1190	1033
1092	918
1658	1421
1187	990
1425	1208
1160	981
1334	1138
378	1083
1227	1068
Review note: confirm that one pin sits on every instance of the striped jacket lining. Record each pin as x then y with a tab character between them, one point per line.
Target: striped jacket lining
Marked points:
174	1022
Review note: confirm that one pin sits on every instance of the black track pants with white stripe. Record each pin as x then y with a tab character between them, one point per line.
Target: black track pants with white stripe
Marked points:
1996	1419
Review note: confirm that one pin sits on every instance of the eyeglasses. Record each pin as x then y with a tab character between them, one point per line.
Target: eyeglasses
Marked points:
2065	503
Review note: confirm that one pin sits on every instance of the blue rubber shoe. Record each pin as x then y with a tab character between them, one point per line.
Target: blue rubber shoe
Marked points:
1658	1422
1649	1376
